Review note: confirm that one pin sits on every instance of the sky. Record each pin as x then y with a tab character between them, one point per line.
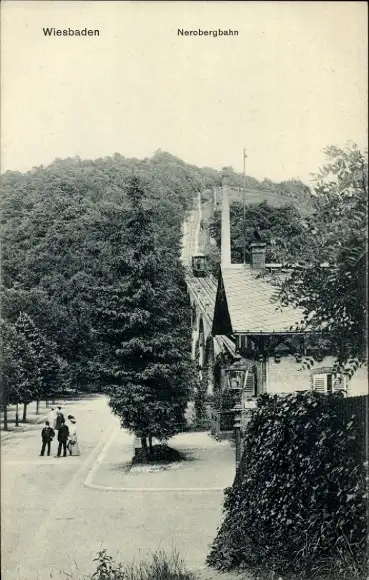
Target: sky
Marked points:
293	81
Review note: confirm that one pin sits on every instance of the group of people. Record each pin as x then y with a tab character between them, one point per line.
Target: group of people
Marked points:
67	434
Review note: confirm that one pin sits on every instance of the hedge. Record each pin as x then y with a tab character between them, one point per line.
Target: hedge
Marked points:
299	507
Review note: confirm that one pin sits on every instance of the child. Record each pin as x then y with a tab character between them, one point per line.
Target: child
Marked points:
47	435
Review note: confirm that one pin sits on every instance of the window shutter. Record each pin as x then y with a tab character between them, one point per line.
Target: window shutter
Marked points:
320	383
238	342
339	384
264	375
249	384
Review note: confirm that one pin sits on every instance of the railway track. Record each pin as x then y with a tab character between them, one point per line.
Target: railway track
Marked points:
204	288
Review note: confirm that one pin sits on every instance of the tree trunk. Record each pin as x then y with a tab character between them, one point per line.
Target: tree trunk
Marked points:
150	444
37	406
5	417
24	418
46	402
16	416
144	446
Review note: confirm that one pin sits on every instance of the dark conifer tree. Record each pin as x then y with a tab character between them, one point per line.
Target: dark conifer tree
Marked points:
143	323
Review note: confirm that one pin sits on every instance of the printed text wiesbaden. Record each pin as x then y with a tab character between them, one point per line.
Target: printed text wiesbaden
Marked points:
70	32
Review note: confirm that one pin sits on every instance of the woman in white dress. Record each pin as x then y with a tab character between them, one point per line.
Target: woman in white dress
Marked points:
52	417
73	439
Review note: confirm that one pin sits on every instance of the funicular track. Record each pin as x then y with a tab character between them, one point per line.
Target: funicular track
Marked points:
203	288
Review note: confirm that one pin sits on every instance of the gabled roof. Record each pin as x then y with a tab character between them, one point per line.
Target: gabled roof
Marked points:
244	305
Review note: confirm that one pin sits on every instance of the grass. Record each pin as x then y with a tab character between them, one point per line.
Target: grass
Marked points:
159	567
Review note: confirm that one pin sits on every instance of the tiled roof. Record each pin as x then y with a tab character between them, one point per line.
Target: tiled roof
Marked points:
250	303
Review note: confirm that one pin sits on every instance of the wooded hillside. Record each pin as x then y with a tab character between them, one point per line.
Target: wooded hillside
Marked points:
63	233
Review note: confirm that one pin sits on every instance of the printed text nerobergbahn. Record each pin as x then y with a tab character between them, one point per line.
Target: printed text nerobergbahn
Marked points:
200	32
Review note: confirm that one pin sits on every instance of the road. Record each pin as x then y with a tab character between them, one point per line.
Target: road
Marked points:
58	513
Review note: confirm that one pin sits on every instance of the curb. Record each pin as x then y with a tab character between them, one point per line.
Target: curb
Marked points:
89	481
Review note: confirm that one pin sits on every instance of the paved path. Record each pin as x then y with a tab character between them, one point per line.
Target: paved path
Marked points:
57	513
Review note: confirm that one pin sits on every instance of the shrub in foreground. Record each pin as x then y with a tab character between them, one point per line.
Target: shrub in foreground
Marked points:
299	507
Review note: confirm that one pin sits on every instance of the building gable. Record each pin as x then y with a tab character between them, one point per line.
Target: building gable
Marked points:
221	321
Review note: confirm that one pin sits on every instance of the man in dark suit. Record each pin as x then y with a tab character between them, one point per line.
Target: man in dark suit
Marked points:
63	435
59	418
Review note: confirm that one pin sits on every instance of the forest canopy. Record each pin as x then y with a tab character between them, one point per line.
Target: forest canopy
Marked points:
63	231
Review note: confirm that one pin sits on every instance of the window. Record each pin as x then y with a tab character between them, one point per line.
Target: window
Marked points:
328	383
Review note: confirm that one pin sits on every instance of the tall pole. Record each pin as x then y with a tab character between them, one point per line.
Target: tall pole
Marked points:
237	434
244	206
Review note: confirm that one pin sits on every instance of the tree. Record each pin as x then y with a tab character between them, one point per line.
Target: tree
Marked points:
9	370
333	298
19	373
281	228
45	356
141	320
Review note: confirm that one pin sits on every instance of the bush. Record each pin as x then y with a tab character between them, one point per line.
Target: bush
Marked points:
300	505
159	454
200	395
201	426
160	567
